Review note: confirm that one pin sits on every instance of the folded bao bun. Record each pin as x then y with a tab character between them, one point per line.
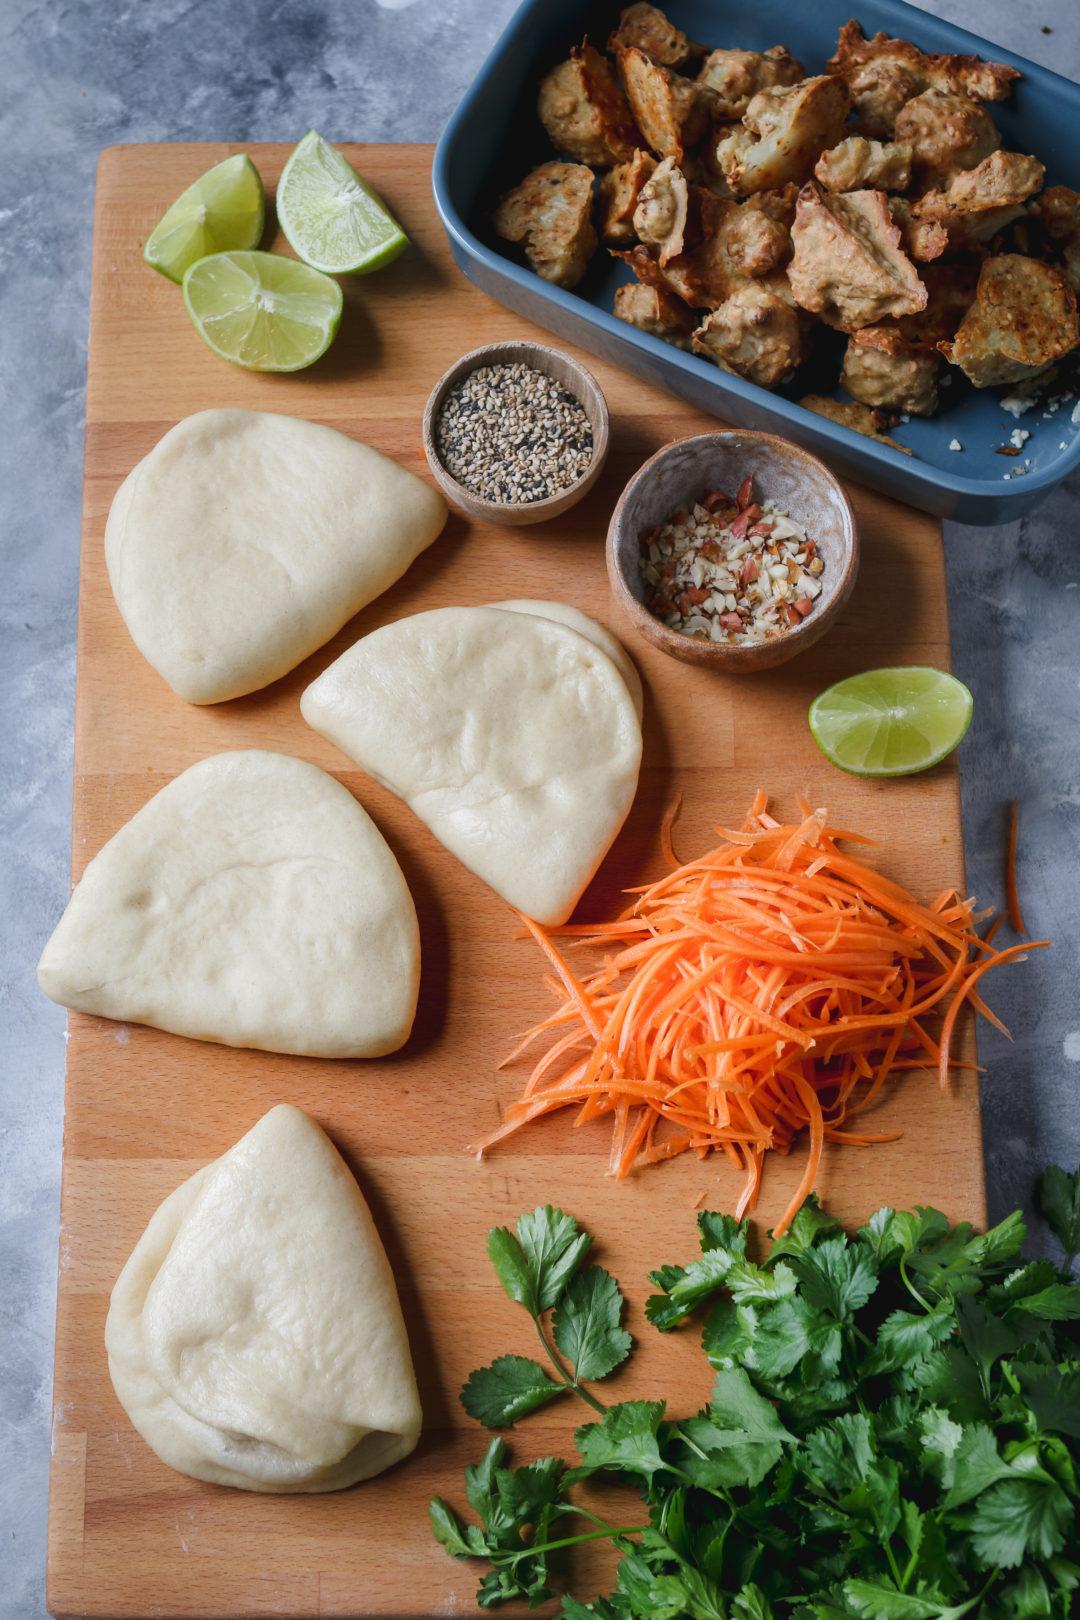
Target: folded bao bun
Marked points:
515	739
245	540
254	1336
251	902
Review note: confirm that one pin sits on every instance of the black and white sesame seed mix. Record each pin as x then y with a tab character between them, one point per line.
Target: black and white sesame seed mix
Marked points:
512	434
730	569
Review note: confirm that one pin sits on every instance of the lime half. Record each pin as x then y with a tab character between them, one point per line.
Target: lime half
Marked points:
225	208
261	310
891	722
331	217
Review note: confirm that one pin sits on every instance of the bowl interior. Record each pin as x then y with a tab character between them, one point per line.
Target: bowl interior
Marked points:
682	473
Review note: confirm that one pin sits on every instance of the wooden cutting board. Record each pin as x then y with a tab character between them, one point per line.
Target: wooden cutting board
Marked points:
127	1536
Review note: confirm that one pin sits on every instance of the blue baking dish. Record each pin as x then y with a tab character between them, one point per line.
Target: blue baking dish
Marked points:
494	137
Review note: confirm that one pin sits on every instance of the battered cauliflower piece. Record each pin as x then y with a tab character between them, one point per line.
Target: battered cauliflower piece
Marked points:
583	109
549	214
950	291
858	164
848	266
655	310
671	112
785	130
660	218
731	243
1058	212
735	77
880	369
864	419
756	333
647	29
946	133
979	202
923	239
1022	320
884	74
619	191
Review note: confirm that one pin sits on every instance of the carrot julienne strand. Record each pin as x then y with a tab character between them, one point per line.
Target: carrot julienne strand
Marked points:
772	988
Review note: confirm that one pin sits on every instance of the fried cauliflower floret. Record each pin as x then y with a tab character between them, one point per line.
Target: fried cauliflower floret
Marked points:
757	333
848	266
923	239
950	291
660	218
730	243
979	202
785	130
1058	212
735	77
549	214
618	194
671	112
864	419
647	29
583	109
1022	320
655	310
946	133
880	369
884	74
858	164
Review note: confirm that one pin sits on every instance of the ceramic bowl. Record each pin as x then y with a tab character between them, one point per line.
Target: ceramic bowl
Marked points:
573	376
678	475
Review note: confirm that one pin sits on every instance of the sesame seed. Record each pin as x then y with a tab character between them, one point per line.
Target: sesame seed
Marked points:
512	434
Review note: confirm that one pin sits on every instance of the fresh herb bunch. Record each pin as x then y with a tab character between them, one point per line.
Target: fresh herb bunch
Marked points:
892	1432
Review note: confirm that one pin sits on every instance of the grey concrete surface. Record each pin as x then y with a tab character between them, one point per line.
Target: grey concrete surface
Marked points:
75	76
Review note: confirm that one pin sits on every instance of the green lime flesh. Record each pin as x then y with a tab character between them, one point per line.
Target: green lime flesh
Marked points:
891	722
331	217
224	209
261	310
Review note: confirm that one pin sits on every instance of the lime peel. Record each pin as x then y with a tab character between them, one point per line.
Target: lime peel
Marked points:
223	210
263	311
896	721
331	217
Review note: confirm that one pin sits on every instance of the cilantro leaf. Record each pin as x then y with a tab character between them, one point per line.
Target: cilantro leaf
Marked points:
791	1333
976	1465
840	1454
1053	1394
904	1339
509	1389
880	1600
554	1246
1059	1202
586	1324
751	1604
512	1267
739	1441
809	1224
986	1337
837	1277
625	1438
447	1527
1017	1518
722	1232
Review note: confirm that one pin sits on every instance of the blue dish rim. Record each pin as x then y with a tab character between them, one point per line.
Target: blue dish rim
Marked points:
1034	484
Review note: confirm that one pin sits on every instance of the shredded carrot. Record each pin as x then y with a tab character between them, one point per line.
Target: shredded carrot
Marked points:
772	987
1016	916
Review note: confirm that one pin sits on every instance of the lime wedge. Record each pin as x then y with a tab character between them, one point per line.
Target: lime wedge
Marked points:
261	310
891	722
331	217
225	208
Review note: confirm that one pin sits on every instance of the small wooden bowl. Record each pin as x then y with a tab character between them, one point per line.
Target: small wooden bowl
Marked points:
573	376
678	475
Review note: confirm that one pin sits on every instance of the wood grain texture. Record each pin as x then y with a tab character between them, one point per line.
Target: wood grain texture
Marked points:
144	1109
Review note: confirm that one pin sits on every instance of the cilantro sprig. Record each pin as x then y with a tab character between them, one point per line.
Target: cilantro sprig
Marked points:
891	1429
540	1267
